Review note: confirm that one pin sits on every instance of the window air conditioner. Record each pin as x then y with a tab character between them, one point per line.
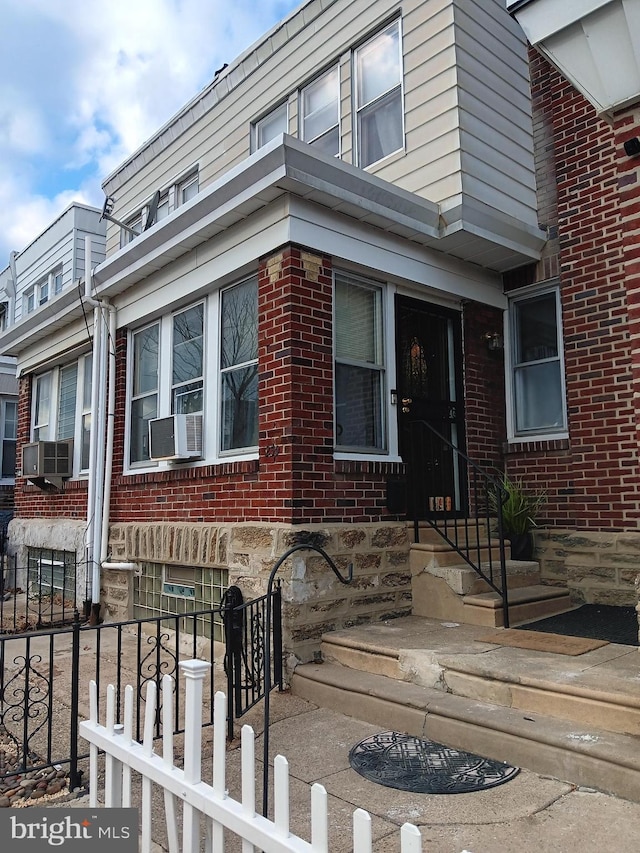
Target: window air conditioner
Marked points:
47	462
176	438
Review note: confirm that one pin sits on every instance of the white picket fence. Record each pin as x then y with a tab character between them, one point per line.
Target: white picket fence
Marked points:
206	808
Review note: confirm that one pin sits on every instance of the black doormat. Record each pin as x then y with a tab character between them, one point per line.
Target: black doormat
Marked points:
423	767
595	621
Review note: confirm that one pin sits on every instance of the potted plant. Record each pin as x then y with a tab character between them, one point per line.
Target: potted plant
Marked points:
520	509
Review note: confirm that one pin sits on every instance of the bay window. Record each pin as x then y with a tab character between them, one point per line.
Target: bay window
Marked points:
537	372
359	365
379	118
175	370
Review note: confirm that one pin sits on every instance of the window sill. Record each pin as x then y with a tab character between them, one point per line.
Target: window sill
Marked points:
540	444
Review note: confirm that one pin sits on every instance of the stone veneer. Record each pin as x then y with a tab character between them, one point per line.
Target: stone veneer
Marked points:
597	567
314	601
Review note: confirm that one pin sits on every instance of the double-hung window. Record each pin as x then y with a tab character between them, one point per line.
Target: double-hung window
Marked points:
188	361
272	125
61	407
187	189
378	93
537	372
359	365
174	371
239	366
320	113
9	433
144	397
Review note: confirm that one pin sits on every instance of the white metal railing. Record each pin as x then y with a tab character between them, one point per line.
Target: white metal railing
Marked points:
205	808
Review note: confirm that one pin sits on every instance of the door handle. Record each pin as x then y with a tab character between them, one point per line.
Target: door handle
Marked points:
406	402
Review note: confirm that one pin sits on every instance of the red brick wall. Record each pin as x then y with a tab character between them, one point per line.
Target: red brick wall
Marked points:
295	479
483	386
592	479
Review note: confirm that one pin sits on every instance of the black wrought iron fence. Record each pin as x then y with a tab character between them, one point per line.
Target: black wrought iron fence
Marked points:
44	593
44	677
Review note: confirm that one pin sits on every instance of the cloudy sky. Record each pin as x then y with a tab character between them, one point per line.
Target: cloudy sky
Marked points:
84	82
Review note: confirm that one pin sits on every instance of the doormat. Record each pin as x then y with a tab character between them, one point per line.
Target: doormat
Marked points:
537	641
598	621
420	766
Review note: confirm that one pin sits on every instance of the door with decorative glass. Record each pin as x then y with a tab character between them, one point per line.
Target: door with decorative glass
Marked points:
429	401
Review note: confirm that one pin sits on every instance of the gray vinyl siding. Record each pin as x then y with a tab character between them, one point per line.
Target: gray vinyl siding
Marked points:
466	101
61	246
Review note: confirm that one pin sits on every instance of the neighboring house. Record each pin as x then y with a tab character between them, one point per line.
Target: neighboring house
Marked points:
43	274
313	260
36	291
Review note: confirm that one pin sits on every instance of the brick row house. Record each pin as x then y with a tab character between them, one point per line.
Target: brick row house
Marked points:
339	238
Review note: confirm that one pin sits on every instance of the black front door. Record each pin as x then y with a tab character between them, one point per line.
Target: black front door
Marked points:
430	406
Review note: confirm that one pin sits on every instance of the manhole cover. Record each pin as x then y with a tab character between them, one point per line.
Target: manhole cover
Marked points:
424	767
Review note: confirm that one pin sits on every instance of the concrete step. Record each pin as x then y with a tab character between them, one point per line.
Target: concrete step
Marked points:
525	604
582	755
464	580
598	687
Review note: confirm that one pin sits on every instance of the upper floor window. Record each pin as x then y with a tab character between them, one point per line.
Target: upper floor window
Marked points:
320	113
144	390
379	119
61	407
133	229
40	293
272	125
537	371
187	189
188	361
359	365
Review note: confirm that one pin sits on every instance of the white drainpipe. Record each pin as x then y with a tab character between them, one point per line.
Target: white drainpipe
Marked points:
99	491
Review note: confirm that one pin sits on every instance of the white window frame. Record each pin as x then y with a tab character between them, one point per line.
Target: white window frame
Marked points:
313	140
211	388
257	126
171	197
47	429
4	437
380	367
361	109
510	330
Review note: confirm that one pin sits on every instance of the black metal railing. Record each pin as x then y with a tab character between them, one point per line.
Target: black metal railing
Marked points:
461	501
246	658
44	674
44	593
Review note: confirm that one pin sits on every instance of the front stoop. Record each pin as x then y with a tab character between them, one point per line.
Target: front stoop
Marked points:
576	718
443	589
595	759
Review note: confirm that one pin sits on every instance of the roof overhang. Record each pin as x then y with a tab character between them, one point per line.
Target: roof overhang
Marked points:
470	232
594	43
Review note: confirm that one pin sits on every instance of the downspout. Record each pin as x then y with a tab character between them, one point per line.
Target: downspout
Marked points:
99	466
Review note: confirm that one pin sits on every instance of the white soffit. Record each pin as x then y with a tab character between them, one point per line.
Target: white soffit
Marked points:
594	43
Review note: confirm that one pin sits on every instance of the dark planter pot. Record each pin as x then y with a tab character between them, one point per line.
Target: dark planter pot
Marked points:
521	546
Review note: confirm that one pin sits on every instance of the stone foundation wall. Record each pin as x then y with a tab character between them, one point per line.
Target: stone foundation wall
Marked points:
314	601
597	567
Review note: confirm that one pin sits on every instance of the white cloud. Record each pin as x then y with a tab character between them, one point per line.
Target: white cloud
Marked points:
87	81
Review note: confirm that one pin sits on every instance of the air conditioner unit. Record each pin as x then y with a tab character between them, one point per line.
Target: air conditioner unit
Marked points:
47	462
176	438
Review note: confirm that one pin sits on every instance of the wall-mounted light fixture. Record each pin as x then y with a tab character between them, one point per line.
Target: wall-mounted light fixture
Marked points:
494	341
632	147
